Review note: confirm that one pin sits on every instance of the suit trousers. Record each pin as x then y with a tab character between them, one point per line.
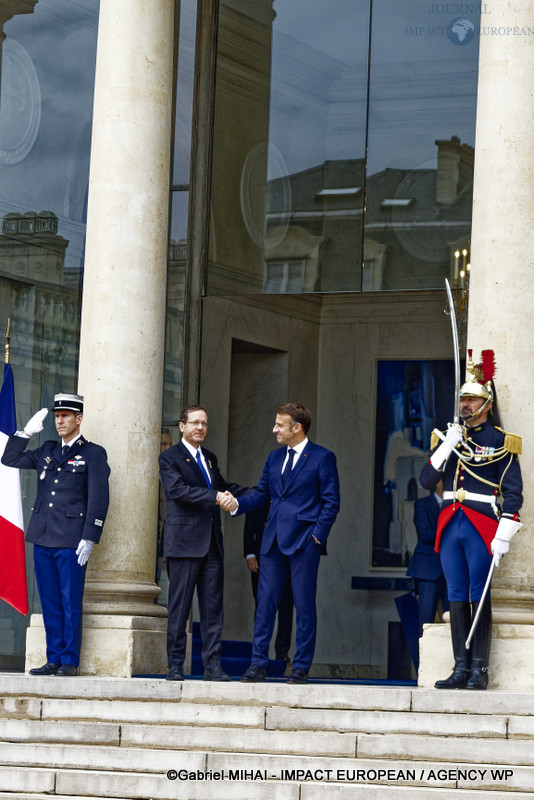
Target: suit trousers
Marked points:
206	574
302	568
282	641
60	581
428	595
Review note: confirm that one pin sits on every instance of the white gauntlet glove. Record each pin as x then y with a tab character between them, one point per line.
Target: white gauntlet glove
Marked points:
35	424
452	437
506	530
83	551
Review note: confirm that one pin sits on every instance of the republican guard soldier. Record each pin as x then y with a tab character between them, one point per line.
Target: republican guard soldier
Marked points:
67	520
482	497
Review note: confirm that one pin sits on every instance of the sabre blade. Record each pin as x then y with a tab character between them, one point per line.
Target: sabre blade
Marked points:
456	346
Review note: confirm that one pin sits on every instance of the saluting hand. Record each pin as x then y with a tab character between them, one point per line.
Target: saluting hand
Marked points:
35	424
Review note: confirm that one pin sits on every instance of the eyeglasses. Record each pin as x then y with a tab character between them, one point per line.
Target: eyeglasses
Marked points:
197	423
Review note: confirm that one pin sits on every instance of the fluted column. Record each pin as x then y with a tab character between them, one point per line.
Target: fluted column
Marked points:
501	313
122	327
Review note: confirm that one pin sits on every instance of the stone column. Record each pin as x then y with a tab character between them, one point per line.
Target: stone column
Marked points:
122	328
501	313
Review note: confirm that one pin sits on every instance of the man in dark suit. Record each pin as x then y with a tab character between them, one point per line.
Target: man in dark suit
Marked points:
193	542
252	539
425	565
301	482
68	516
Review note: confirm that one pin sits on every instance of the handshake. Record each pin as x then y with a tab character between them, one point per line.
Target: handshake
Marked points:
227	501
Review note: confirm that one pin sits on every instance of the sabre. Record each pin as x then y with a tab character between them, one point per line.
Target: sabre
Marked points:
481	603
456	346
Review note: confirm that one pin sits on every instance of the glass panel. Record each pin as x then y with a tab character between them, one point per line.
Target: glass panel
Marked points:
175	312
46	101
184	92
289	144
422	101
412	398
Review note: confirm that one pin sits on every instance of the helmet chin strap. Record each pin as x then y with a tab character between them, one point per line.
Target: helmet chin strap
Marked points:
480	410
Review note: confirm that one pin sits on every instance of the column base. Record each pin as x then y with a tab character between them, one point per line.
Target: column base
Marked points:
116	645
511	666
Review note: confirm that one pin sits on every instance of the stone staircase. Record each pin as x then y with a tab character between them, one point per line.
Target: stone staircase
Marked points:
92	737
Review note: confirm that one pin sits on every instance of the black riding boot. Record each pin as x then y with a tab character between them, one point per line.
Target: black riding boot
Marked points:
480	648
460	623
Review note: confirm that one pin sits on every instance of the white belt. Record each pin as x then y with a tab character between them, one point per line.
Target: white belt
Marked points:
462	495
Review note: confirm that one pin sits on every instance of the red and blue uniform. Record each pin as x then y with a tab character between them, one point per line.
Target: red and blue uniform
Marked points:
481	482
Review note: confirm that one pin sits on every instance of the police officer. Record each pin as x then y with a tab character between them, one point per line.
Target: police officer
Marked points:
480	514
68	516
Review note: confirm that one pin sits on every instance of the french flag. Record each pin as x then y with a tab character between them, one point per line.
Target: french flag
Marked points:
13	587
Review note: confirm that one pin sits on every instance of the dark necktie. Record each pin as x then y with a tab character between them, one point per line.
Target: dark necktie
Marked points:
288	467
203	470
65	449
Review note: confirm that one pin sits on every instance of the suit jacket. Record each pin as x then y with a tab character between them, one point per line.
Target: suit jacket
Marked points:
425	564
306	507
192	511
72	490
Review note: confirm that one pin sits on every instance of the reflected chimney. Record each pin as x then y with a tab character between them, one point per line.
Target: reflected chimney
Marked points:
455	169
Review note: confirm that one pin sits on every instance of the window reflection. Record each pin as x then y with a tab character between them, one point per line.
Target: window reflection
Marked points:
46	98
421	131
344	137
289	142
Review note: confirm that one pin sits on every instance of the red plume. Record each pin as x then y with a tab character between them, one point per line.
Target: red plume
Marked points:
488	365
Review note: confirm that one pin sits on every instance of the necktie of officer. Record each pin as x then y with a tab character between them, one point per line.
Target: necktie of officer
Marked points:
65	449
288	466
203	470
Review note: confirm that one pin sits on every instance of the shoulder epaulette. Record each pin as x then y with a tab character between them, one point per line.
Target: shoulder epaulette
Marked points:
513	443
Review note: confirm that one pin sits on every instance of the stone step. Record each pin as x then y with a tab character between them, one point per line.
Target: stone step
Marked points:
433	773
263	767
149	712
329	696
106	721
39	784
409	722
269	717
480	751
183	737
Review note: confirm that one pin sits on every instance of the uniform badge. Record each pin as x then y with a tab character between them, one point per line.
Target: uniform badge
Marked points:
48	460
77	456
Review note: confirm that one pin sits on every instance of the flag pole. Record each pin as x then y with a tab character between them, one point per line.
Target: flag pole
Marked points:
8	339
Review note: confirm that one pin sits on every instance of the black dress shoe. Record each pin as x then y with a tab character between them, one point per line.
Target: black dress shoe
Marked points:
67	669
298	676
254	674
175	673
47	669
216	673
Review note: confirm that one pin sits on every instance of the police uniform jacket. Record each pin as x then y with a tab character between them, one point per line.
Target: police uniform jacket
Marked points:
192	510
491	470
72	490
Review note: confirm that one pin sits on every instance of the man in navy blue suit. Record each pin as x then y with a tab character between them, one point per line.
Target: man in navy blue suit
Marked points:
301	482
67	520
425	565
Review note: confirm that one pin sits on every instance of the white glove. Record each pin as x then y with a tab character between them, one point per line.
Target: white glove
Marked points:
452	437
35	424
499	547
506	530
83	551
